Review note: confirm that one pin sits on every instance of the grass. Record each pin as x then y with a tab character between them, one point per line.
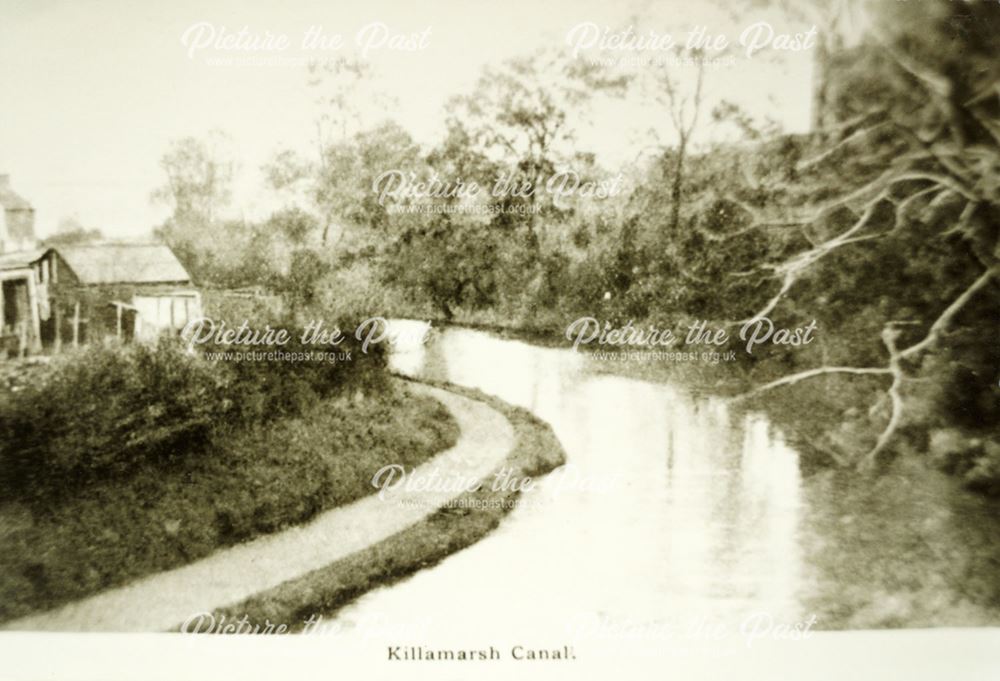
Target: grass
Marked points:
260	479
536	451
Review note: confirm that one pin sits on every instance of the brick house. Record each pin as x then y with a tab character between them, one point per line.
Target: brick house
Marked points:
17	220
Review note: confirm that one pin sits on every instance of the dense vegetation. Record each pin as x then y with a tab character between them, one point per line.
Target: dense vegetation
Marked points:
881	225
158	406
119	461
261	479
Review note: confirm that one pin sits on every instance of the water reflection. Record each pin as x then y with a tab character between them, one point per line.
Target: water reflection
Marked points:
699	516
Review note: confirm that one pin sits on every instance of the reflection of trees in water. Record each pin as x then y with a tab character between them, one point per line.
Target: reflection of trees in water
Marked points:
716	515
733	505
435	366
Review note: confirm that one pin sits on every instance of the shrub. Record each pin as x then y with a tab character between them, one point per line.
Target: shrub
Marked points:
262	479
111	410
103	413
263	389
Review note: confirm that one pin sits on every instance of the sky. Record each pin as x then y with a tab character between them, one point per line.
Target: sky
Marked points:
95	90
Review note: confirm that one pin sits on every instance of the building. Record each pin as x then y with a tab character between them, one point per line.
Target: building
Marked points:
20	323
17	220
80	294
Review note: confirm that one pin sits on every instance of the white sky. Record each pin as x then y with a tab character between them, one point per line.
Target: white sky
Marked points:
93	92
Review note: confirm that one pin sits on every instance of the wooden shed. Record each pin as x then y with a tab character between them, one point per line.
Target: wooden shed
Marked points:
127	291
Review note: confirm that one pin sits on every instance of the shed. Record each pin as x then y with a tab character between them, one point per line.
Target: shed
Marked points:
130	291
142	264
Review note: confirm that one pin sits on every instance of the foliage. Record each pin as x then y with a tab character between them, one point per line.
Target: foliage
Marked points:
199	177
262	479
881	224
71	232
156	404
881	227
160	405
198	187
447	264
300	284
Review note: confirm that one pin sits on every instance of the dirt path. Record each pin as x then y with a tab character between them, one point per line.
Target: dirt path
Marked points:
163	601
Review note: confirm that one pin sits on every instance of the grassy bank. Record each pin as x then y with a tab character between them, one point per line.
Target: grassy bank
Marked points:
536	452
259	479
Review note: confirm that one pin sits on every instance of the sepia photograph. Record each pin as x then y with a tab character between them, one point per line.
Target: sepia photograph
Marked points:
464	340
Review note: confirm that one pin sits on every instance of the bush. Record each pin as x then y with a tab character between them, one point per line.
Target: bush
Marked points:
263	479
264	389
104	413
975	461
111	410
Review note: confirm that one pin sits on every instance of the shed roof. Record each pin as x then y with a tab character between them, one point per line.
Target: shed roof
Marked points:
20	259
124	264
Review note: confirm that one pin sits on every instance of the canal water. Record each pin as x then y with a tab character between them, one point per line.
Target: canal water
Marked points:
677	518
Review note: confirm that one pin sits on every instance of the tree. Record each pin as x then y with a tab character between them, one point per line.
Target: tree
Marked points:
920	154
198	187
293	225
517	116
199	178
842	23
331	195
449	264
683	110
300	285
71	232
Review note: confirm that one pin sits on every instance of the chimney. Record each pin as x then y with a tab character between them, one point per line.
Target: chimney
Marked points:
4	181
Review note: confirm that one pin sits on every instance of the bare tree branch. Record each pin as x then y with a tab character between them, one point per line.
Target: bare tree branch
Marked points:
847	141
793	268
811	373
942	322
889	336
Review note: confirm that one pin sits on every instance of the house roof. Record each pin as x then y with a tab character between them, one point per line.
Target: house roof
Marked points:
124	264
20	259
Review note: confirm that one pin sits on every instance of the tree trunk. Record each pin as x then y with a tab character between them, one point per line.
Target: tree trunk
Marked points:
821	85
532	201
326	229
675	193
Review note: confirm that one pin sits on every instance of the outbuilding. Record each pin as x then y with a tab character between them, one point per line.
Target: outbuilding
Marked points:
79	294
124	290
